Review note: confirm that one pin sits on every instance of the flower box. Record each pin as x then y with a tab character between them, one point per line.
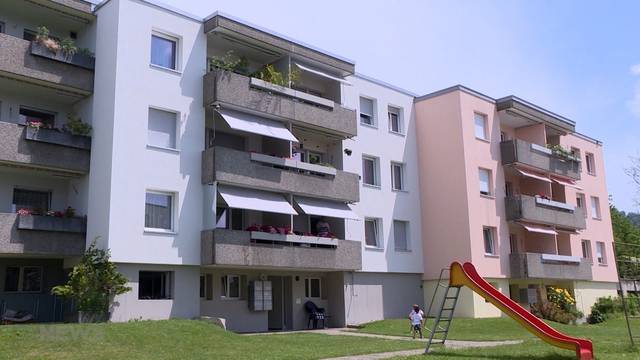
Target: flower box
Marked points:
80	60
57	137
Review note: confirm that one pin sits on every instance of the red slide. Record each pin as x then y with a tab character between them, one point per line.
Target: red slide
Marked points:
466	275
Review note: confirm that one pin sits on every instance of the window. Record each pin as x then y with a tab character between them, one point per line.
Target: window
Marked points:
513	243
230	286
485	181
395	120
29	35
202	286
367	111
480	121
489	245
503	136
575	152
397	176
586	249
400	231
164	51
595	208
372	232
158	211
23	279
29	115
36	201
601	254
1	27
154	285
591	163
312	288
370	171
580	203
161	129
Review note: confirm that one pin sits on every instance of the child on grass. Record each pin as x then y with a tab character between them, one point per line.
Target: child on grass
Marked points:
416	321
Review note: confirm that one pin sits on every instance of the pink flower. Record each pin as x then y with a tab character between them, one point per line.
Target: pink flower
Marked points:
24	212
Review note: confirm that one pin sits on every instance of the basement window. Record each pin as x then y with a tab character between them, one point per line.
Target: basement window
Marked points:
155	285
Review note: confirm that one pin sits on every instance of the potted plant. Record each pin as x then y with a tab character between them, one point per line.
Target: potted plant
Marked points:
93	284
64	50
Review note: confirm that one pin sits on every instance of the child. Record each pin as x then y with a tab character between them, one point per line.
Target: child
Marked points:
416	321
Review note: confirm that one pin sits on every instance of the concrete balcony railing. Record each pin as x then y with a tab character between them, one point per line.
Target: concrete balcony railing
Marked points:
235	248
539	157
41	235
249	170
541	211
19	61
547	266
239	91
44	149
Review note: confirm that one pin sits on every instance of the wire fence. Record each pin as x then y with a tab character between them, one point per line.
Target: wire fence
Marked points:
628	265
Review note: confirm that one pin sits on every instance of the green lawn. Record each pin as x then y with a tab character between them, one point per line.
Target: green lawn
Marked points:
176	339
610	339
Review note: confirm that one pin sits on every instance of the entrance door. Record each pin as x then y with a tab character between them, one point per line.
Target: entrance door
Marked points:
280	317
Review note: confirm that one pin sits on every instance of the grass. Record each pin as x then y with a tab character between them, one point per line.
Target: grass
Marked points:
176	339
610	339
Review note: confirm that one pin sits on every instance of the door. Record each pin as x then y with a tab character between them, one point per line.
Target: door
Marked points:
276	315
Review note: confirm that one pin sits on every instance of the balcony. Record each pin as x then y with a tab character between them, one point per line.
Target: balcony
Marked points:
539	157
21	61
542	211
47	149
548	266
239	248
41	235
243	92
276	174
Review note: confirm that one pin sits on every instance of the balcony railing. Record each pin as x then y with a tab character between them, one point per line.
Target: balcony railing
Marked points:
539	157
41	235
549	266
239	248
257	171
239	91
44	149
19	61
542	211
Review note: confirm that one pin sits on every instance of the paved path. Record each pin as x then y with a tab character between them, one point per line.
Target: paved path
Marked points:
451	344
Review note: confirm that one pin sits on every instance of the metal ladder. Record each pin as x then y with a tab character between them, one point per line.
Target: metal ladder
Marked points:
445	311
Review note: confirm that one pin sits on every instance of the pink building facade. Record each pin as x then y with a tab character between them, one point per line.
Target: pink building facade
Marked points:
514	189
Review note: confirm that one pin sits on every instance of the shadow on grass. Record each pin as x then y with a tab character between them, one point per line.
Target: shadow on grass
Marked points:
505	357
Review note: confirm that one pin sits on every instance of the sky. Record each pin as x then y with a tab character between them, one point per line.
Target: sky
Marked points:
579	59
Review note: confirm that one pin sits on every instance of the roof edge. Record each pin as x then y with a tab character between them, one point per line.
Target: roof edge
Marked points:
455	88
384	84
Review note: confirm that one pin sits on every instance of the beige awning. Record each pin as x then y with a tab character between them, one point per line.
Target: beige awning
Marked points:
532	175
539	229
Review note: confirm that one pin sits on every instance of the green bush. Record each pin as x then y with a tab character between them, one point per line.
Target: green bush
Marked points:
608	307
76	126
595	317
550	311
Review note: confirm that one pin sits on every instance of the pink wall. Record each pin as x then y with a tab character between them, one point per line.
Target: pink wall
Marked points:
534	134
443	183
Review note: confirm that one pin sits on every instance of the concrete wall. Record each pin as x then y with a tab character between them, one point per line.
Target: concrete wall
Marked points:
376	296
587	292
184	303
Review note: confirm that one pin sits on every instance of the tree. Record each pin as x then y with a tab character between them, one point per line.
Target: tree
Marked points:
93	282
627	241
634	171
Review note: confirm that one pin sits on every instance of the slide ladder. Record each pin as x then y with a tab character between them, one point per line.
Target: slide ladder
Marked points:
444	316
466	275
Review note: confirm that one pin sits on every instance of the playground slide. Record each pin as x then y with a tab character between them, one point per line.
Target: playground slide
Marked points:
466	275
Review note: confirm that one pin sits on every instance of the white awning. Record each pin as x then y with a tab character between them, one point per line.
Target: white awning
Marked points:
539	229
323	74
569	183
256	125
250	199
326	208
532	175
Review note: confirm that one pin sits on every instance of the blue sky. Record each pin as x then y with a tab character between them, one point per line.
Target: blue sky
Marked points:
574	58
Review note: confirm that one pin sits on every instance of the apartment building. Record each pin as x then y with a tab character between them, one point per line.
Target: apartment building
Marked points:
235	172
526	213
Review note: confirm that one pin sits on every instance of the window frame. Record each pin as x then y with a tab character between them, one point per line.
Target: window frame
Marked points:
401	166
176	129
374	120
35	109
589	251
2	30
399	118
168	290
406	235
581	202
174	207
20	287
490	189
23	188
377	228
603	253
203	286
308	291
376	171
177	53
590	163
226	289
485	126
596	212
491	232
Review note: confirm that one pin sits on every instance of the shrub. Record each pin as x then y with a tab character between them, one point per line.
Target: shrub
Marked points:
595	317
76	126
550	311
608	307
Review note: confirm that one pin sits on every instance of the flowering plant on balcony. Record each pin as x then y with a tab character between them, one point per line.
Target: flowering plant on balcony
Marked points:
24	212
561	152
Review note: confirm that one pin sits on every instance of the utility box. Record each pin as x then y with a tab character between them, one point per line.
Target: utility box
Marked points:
260	295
